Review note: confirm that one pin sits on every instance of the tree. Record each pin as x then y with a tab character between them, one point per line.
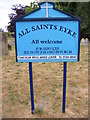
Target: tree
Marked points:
20	10
33	6
82	11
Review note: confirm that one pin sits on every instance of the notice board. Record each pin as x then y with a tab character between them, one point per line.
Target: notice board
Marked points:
51	39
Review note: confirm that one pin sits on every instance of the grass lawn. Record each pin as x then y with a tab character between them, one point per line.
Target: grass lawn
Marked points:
48	88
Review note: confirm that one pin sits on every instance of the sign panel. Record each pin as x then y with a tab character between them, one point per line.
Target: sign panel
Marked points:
47	41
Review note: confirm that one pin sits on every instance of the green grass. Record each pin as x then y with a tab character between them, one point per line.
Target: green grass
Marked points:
12	62
12	99
17	64
16	78
9	109
17	72
21	101
88	60
58	97
8	71
73	84
44	97
10	89
11	95
43	63
76	108
55	106
86	101
39	110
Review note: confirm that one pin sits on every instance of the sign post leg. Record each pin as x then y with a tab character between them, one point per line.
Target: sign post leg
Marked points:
64	86
31	87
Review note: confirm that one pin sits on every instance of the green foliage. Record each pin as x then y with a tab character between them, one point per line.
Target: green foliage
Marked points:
80	10
19	10
39	111
33	6
12	99
66	6
83	12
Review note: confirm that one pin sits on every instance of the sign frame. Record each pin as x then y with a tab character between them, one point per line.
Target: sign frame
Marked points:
50	19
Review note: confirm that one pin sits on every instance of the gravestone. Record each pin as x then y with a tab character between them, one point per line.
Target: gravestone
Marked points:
4	44
84	42
11	44
0	43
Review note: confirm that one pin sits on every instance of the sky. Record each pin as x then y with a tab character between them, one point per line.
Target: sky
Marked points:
5	9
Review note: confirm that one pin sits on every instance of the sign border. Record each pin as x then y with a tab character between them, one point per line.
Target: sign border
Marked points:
49	19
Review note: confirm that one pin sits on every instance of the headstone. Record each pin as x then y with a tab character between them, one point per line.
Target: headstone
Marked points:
0	44
0	75
4	44
84	42
11	44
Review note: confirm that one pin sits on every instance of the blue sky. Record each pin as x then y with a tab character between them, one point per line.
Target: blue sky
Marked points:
5	9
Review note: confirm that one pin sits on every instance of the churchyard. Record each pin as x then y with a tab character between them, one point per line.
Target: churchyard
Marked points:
48	88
